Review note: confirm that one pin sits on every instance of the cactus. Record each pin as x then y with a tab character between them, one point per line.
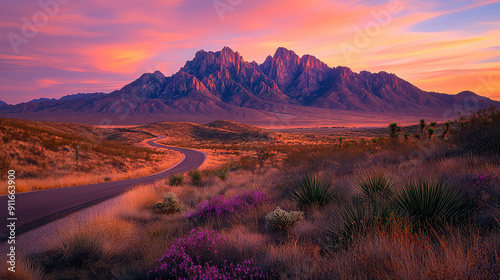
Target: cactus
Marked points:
282	220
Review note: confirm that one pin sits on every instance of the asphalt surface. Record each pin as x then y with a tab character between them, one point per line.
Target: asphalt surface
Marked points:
34	209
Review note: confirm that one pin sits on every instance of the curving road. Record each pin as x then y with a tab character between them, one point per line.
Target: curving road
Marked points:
34	209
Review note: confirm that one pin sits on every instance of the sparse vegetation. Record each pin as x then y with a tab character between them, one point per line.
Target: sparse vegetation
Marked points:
386	212
51	155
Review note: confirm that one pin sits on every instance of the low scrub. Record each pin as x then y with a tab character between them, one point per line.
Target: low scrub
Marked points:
169	205
282	220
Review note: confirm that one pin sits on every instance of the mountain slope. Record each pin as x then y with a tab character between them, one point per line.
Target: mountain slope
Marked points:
222	85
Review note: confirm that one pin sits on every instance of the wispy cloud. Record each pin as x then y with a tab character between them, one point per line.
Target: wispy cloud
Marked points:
112	42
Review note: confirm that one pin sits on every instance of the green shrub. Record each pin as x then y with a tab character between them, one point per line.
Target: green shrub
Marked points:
357	219
282	220
196	176
478	132
222	173
170	204
311	190
431	203
175	179
375	186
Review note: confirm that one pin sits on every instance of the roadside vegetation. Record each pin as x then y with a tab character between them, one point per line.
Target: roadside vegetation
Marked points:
390	207
50	155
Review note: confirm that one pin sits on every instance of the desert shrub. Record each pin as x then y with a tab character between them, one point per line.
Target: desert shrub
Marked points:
311	190
478	132
175	179
198	256
220	207
375	186
248	163
431	203
196	176
222	173
169	205
282	220
357	219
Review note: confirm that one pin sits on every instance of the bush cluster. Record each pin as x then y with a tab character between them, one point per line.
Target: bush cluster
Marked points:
282	220
169	205
197	256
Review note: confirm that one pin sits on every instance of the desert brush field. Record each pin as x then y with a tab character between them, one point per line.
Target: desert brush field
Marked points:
417	202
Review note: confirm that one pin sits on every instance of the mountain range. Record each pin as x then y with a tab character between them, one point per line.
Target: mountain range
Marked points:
215	85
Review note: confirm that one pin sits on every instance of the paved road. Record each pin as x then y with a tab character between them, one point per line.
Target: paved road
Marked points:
34	209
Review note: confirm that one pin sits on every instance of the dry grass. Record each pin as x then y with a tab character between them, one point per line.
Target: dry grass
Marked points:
51	155
24	270
469	250
83	178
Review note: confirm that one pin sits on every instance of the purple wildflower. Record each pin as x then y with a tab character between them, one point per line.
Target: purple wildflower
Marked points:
219	207
196	257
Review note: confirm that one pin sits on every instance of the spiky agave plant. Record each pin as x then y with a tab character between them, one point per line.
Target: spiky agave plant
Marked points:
176	179
196	176
375	186
311	190
431	203
222	173
357	219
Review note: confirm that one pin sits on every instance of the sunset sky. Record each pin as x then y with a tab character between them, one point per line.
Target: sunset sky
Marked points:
69	46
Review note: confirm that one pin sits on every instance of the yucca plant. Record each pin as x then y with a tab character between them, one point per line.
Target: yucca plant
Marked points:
311	190
446	130
222	173
176	179
422	127
357	219
431	132
375	186
196	176
431	203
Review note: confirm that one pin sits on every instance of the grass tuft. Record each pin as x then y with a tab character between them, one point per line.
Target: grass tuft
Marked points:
176	179
431	203
311	190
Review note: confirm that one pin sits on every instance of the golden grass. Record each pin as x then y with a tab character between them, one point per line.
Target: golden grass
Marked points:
461	252
83	178
24	270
